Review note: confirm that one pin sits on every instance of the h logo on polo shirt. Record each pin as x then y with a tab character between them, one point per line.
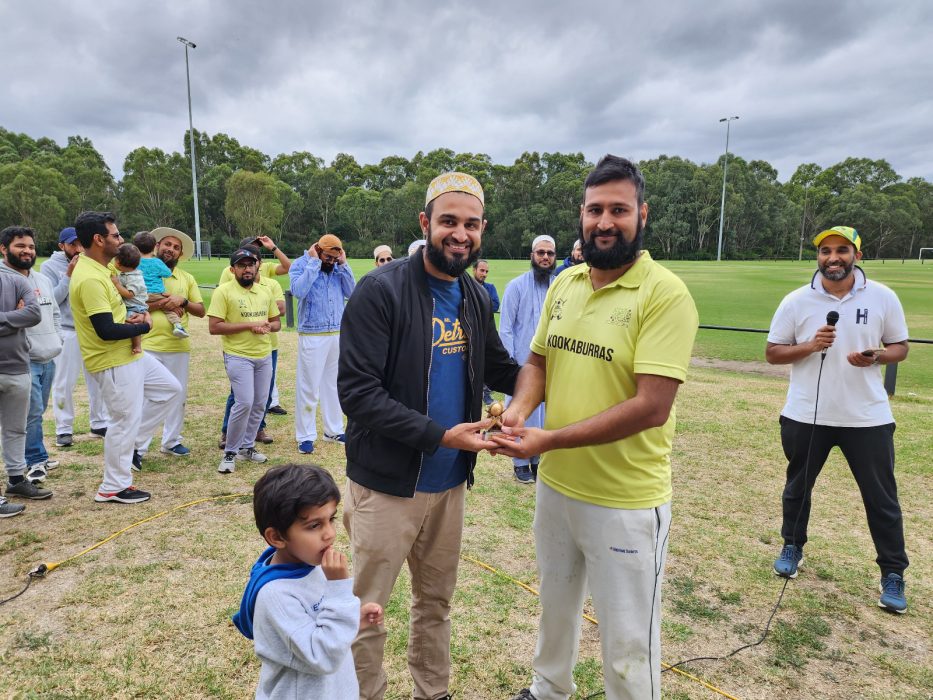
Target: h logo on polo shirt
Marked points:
861	316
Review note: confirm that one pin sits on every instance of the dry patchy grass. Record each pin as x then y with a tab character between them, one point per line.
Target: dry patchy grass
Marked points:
147	615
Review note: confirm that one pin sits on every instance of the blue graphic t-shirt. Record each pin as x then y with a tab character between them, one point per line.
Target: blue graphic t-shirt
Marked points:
447	467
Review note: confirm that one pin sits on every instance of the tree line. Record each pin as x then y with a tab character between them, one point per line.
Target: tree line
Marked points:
296	197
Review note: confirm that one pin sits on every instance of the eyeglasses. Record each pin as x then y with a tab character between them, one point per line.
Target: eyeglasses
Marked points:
385	260
111	235
329	258
244	264
548	253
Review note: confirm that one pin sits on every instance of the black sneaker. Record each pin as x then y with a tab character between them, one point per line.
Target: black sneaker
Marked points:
64	440
130	494
524	694
277	411
137	462
27	489
99	432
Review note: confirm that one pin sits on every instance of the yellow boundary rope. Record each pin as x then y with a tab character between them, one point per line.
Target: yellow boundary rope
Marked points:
593	620
51	566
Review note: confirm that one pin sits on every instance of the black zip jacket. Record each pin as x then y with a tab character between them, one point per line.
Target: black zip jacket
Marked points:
385	357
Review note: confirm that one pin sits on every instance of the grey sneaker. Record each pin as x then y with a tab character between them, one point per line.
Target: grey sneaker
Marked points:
524	694
64	440
37	472
8	510
249	454
27	489
228	463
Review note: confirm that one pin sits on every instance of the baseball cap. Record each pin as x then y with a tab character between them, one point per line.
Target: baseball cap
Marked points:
68	235
847	232
330	244
243	254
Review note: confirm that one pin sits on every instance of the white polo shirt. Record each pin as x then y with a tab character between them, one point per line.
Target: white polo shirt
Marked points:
869	315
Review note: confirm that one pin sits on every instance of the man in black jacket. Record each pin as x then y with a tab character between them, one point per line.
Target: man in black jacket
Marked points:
417	343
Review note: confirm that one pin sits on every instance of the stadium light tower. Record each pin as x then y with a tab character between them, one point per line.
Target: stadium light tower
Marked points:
725	166
194	174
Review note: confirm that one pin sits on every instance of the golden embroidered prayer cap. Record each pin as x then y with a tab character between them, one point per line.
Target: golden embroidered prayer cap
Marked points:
454	182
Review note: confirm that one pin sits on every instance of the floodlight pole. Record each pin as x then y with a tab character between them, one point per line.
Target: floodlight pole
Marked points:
194	175
725	167
803	220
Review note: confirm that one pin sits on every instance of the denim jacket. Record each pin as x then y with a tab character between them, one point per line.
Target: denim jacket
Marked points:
320	296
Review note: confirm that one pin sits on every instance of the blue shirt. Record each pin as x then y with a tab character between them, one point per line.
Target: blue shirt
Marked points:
321	295
447	386
154	270
493	295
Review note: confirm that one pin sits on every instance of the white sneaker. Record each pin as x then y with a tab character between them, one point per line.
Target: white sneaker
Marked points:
227	464
179	331
251	455
51	464
37	472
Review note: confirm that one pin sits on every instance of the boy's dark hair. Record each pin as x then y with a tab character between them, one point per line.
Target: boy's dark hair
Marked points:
128	255
10	232
92	223
283	492
611	168
145	241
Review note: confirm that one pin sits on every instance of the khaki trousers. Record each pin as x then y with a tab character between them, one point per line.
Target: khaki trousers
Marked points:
385	531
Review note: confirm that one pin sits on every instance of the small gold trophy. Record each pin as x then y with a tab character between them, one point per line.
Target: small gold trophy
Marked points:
495	412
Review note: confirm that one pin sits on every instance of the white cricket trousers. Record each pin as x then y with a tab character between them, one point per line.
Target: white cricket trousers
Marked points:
620	554
177	365
316	381
137	395
67	365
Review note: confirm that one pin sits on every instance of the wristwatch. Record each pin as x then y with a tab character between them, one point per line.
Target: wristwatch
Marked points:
184	304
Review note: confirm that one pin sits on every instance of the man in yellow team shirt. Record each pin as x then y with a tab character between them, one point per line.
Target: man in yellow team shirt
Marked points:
244	313
623	327
137	390
174	353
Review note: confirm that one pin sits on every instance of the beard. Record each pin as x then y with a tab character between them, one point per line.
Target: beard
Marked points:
327	267
170	263
18	263
622	253
837	275
245	283
541	272
451	268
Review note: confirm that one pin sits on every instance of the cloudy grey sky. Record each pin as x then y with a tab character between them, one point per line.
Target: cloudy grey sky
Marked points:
812	81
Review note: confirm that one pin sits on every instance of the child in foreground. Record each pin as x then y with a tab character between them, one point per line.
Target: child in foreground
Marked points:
298	605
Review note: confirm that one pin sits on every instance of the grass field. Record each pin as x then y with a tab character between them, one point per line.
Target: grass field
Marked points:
147	614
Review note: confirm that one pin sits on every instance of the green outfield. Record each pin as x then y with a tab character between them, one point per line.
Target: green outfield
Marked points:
741	294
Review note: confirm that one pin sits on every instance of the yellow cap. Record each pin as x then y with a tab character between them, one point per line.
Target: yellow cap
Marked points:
847	232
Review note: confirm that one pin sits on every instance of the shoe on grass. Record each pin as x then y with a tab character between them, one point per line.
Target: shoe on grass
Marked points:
27	489
277	411
137	465
37	472
99	432
51	464
523	474
130	494
306	447
893	597
524	694
264	437
249	454
789	561
178	450
340	437
64	440
228	463
8	510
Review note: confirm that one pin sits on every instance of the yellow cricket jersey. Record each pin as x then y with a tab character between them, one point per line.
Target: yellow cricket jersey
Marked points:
160	338
266	269
235	304
595	342
275	288
91	292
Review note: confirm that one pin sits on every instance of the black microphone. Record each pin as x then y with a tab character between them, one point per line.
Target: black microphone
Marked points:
831	318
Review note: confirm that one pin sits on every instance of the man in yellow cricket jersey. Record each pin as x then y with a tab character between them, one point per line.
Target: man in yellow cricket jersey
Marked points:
137	390
174	353
245	313
622	327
